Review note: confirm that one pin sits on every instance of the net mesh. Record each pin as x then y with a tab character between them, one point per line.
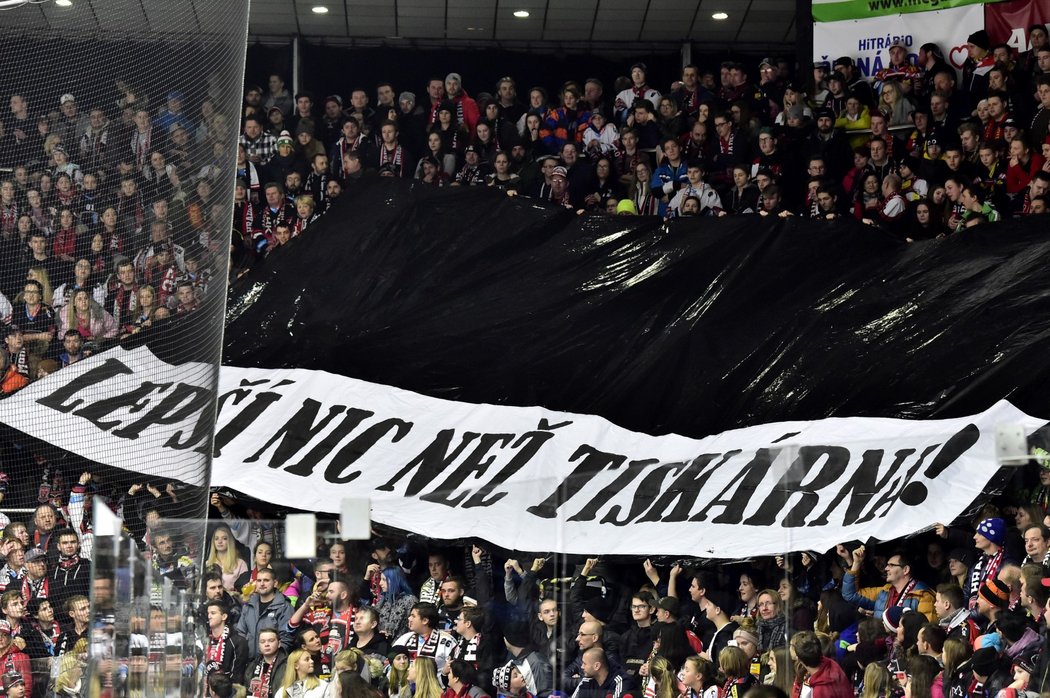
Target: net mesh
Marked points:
118	137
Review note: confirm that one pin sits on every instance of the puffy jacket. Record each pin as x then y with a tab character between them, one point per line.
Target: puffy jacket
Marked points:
876	599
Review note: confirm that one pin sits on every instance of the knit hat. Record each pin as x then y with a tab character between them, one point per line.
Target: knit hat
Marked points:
1027	661
961	555
747	635
720	600
598	608
626	207
560	171
12	678
407	97
795	111
396	650
984	661
5	627
979	39
517	634
995	592
447	105
285	138
891	618
305	126
501	677
993	529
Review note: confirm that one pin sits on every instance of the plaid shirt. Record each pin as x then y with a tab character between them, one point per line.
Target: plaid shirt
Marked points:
265	146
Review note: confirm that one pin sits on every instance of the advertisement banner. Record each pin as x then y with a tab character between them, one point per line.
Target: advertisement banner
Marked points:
525	478
1008	22
867	41
838	10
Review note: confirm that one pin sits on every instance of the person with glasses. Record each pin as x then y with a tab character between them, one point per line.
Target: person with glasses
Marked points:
730	148
901	589
637	642
36	320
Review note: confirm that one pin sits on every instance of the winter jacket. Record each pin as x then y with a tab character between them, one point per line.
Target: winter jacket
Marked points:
276	616
876	599
254	671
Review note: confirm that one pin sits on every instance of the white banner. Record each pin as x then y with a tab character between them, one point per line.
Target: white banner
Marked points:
526	479
867	41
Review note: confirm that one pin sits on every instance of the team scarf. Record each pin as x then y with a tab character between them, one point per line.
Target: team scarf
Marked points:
215	653
271	218
467	650
725	145
246	218
987	567
8	218
140	145
67	562
728	687
428	648
900	598
259	683
396	159
1042	495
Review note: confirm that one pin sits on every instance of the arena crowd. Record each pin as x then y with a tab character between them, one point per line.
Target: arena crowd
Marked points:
109	223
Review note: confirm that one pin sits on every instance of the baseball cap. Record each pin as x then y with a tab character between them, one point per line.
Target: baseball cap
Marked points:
34	554
334	98
669	604
66	98
560	171
843	60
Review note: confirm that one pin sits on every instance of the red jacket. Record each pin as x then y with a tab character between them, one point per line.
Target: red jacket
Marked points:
829	681
17	660
1018	176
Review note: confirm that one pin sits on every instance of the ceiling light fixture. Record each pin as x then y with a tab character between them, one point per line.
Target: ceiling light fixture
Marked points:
720	16
521	14
319	10
64	3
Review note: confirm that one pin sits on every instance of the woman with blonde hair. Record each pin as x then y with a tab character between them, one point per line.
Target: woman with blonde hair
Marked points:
39	273
299	680
662	677
423	678
895	104
736	670
223	554
144	310
86	316
877	682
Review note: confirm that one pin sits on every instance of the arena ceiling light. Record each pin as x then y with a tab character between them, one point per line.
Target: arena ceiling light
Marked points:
64	3
319	10
720	15
521	14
